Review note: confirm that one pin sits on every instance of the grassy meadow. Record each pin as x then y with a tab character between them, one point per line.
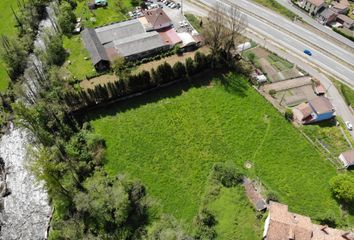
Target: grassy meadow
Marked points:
235	216
171	145
7	27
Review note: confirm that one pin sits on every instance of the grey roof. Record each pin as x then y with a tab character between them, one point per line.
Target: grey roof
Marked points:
327	13
138	43
119	30
93	45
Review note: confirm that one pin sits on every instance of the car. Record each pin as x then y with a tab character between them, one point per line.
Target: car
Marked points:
308	52
348	125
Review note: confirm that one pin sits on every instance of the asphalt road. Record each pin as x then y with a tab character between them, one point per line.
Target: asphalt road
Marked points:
294	56
328	56
308	19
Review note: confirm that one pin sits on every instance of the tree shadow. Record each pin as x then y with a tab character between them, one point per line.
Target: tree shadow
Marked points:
235	84
169	91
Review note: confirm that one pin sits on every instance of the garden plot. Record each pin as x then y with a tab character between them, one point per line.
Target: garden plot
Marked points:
292	92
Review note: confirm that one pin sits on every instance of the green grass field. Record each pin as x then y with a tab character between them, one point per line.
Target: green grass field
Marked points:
102	16
7	27
235	215
79	67
171	145
276	7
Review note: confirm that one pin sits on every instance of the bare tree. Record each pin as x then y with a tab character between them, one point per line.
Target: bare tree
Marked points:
223	29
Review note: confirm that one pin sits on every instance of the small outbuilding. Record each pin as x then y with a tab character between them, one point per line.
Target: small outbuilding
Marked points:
347	158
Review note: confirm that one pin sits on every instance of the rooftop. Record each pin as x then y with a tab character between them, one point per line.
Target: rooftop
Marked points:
138	43
93	45
157	18
283	224
346	19
347	158
321	105
317	3
116	31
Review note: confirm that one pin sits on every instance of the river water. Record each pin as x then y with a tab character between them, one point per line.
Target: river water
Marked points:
26	211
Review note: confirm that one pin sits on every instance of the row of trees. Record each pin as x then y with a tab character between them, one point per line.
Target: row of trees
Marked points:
129	84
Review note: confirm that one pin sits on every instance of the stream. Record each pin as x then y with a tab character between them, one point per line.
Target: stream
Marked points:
24	207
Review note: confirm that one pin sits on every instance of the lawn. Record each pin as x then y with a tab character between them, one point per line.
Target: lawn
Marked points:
79	67
172	143
7	27
235	216
101	16
276	7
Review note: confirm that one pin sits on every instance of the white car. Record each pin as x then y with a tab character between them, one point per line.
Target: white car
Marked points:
348	125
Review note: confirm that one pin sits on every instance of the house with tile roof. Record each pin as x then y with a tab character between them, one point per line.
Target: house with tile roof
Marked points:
284	225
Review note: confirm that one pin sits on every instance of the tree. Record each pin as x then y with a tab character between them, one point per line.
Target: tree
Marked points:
342	187
120	7
66	18
221	33
119	67
190	68
179	70
200	61
227	174
167	228
55	53
14	55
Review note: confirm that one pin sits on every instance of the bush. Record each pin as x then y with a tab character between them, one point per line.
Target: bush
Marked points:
272	196
66	18
342	187
289	115
343	34
227	174
252	57
272	92
328	218
205	222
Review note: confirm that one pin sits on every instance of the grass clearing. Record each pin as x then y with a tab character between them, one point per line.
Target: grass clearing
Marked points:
194	21
8	28
235	215
103	15
79	67
171	145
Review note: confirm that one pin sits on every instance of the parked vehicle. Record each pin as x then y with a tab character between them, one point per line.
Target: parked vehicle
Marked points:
348	125
308	52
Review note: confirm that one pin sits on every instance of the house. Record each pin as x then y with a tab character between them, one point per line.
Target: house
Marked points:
133	39
347	158
316	110
312	6
284	225
157	19
254	195
340	6
346	21
96	50
327	16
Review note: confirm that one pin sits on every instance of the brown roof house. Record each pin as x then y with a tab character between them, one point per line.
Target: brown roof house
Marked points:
315	110
327	16
312	6
346	21
284	225
347	158
254	195
157	19
341	6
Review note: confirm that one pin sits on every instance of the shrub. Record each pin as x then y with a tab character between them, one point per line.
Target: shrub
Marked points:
205	222
328	218
227	174
252	57
272	196
342	187
66	18
289	115
272	92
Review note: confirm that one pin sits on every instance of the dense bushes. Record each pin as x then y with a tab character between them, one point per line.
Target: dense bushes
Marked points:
227	174
350	37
